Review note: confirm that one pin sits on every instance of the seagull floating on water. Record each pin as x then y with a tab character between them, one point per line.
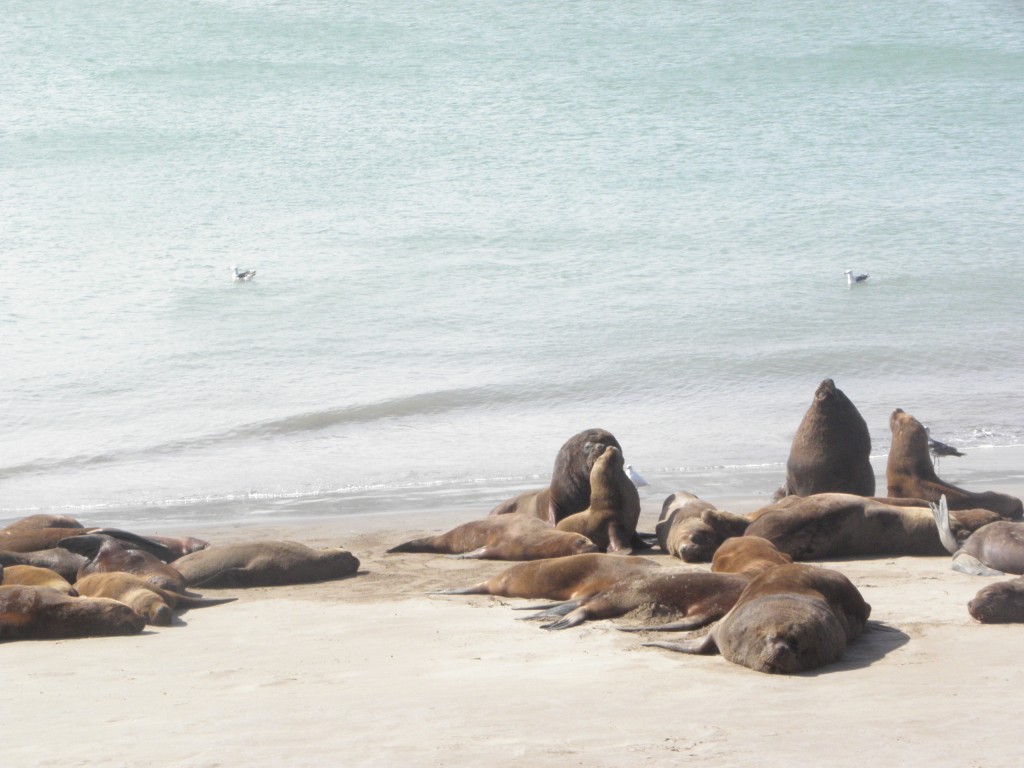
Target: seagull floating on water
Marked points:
635	476
852	279
243	275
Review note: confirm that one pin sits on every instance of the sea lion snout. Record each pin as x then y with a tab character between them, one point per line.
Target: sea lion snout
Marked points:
780	655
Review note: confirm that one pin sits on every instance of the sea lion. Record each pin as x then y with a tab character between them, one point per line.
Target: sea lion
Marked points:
692	529
695	596
748	556
178	546
992	550
33	576
41	613
999	603
534	503
572	474
909	472
146	599
36	522
831	449
560	578
106	554
63	561
790	618
505	537
610	520
829	525
264	564
35	539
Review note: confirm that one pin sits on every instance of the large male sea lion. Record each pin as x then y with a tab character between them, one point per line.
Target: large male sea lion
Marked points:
999	603
610	520
503	537
33	576
831	449
264	564
692	529
991	550
146	599
747	556
106	554
909	472
791	618
41	613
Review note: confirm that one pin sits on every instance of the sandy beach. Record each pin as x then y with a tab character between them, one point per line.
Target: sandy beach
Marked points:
374	671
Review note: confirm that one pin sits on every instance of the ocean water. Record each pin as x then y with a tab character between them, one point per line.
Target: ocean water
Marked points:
479	228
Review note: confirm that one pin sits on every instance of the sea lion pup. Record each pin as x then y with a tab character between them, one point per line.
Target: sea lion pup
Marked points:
58	559
35	522
610	520
992	550
692	529
265	564
41	613
106	554
695	595
560	578
791	618
909	472
33	576
831	449
505	537
147	600
999	603
748	556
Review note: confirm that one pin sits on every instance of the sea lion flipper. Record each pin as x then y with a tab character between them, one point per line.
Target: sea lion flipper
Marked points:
702	645
941	513
967	564
480	553
476	589
415	545
683	625
574	618
554	611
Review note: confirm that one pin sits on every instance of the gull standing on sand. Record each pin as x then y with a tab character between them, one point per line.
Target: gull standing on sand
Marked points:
242	275
852	279
635	476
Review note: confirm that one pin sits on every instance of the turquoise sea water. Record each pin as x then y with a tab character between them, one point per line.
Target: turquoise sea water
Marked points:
479	228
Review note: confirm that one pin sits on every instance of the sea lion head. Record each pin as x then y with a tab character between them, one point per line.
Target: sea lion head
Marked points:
999	603
825	390
909	437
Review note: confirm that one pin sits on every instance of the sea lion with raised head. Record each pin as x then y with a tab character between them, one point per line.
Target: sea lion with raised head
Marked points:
41	613
146	599
610	520
992	550
747	556
33	576
909	472
999	603
831	449
503	537
692	529
790	618
265	564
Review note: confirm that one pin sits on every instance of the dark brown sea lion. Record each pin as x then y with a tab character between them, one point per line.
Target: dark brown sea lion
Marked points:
146	599
41	613
265	564
33	576
910	472
992	550
107	554
35	522
693	598
58	559
571	475
535	503
503	537
610	520
692	529
789	619
36	539
748	556
178	546
560	578
831	449
999	603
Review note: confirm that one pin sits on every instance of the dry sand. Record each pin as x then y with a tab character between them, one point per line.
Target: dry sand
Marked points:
373	671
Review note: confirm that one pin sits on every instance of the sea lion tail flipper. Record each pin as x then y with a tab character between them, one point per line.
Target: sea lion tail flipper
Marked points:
878	626
416	545
541	607
476	589
480	553
197	601
574	618
941	514
554	611
683	625
702	645
968	564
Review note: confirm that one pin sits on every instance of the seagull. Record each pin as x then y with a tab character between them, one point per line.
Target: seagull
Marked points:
243	275
635	476
852	279
940	449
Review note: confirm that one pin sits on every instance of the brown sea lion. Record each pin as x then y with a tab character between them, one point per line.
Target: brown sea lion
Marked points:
692	597
560	578
146	599
909	472
791	618
999	603
35	522
571	476
535	503
36	539
33	576
610	520
748	556
41	613
504	537
58	559
265	564
692	529
991	550
831	449
178	546
829	525
106	554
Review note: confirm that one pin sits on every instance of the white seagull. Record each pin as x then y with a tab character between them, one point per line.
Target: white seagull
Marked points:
635	476
243	275
852	279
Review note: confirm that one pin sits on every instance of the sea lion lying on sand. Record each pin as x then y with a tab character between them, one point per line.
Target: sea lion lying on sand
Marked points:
33	576
534	503
999	603
503	537
610	520
60	560
789	619
41	613
831	449
265	564
992	550
37	522
909	472
107	554
692	529
748	556
146	599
